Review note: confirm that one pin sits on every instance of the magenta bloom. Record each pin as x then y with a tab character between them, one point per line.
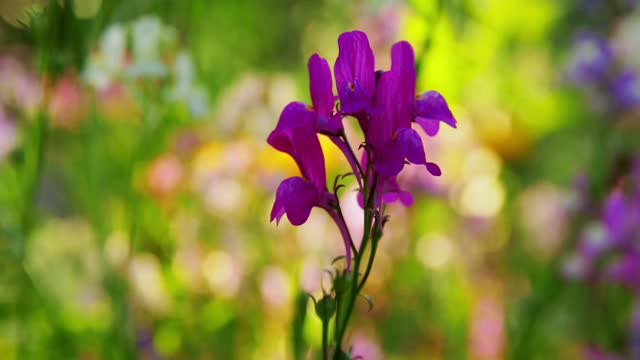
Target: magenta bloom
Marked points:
385	105
389	131
354	71
296	136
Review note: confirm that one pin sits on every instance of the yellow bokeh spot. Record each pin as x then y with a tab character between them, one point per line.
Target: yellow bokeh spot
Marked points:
482	196
434	250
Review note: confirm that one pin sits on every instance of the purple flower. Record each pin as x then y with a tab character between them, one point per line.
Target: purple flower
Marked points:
384	104
389	131
621	216
626	270
295	135
589	60
626	89
354	72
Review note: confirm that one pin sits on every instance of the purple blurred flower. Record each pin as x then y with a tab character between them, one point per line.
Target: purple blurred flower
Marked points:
626	89
20	87
621	216
145	345
589	59
593	353
626	270
364	348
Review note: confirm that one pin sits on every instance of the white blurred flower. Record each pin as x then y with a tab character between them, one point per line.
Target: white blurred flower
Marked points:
543	213
145	274
147	35
223	273
185	89
626	41
113	46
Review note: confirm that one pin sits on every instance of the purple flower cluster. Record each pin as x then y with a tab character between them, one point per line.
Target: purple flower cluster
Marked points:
385	105
599	65
610	250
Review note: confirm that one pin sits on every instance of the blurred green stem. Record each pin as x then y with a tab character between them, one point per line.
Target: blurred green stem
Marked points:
31	171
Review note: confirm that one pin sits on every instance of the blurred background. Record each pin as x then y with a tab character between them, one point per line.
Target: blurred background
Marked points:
136	183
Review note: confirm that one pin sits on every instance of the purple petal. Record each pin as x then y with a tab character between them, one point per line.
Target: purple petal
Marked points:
433	169
389	197
309	156
320	85
412	144
295	114
430	126
406	198
330	125
431	106
296	198
626	270
382	123
404	71
277	211
392	192
354	71
390	159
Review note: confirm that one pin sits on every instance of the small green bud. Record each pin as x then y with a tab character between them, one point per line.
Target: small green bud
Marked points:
325	308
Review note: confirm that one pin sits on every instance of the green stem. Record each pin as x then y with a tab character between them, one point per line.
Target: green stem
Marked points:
366	235
374	248
325	335
34	159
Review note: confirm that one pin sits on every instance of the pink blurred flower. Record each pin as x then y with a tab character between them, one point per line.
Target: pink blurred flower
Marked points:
487	329
164	175
8	136
19	87
365	348
69	103
594	353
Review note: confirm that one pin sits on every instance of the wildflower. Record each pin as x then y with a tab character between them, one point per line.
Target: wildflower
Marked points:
389	131
626	90
297	196
590	58
296	136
